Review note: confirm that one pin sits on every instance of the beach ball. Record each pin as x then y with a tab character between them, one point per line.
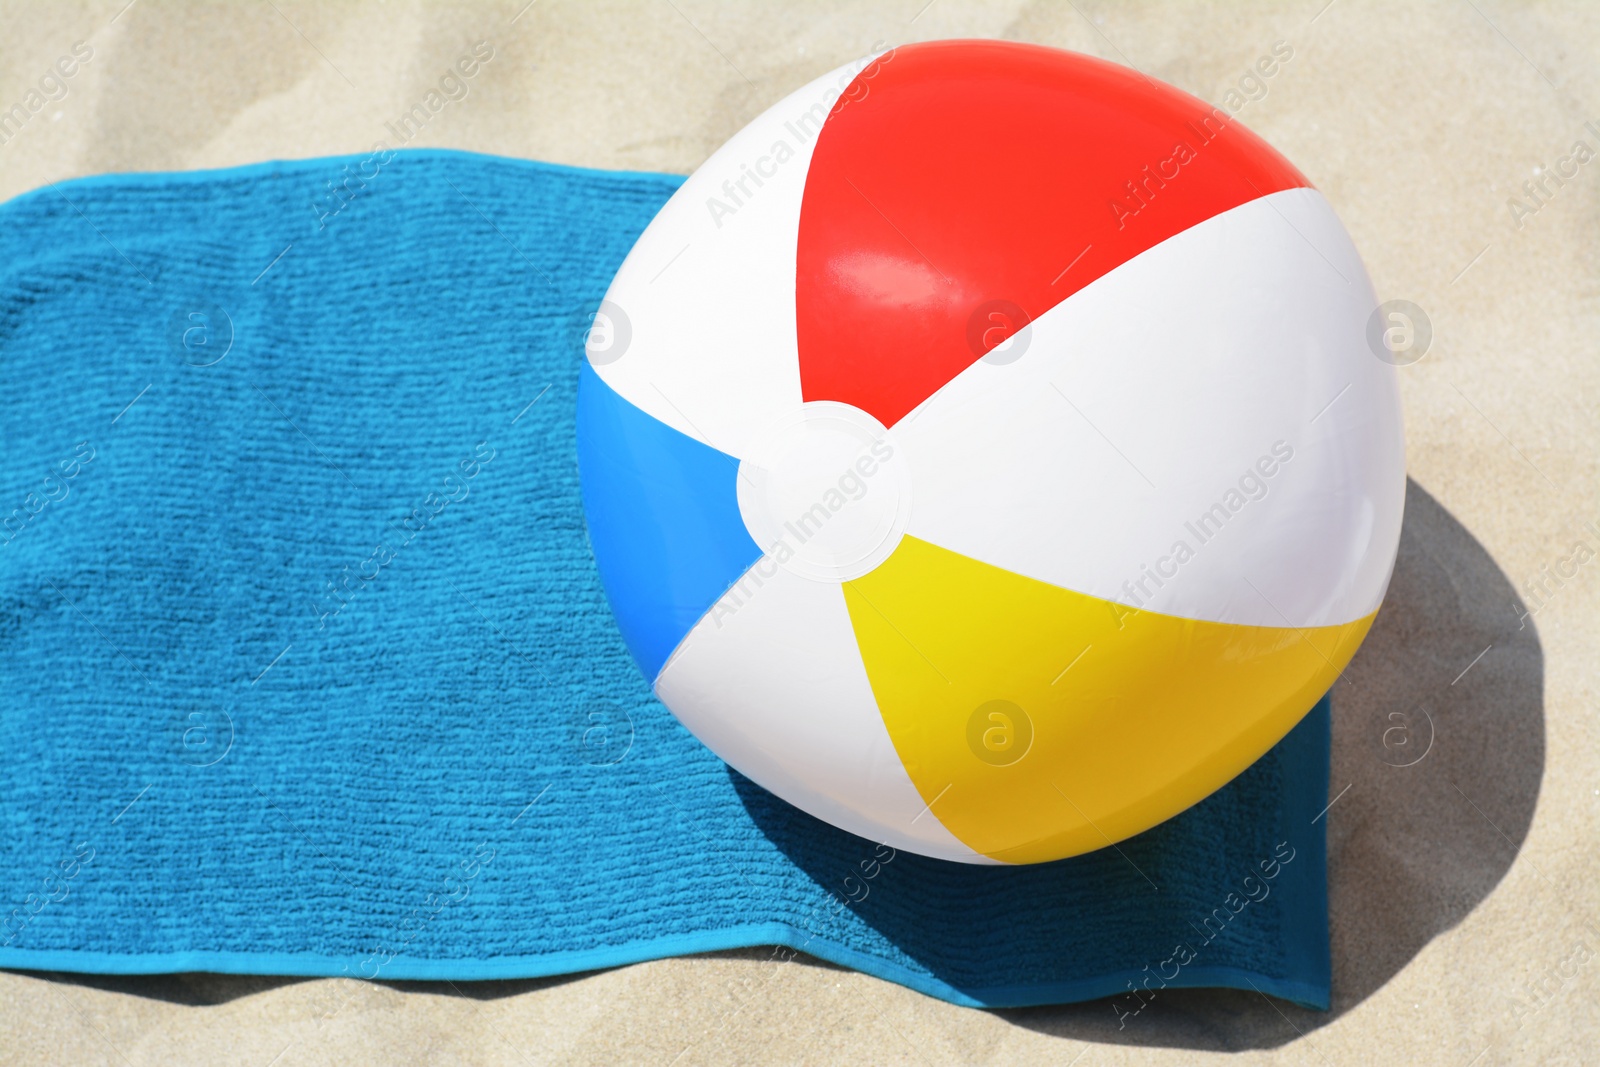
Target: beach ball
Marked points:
983	450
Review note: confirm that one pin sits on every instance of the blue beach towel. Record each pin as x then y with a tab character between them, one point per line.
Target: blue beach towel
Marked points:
308	669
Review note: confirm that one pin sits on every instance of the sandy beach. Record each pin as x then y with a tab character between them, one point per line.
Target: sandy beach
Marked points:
1465	902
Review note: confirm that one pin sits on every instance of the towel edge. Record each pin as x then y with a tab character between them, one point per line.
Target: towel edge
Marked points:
279	165
316	965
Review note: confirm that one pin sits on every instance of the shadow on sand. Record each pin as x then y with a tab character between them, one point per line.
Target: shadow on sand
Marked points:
1442	771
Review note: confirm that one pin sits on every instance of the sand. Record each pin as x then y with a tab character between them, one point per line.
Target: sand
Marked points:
1465	896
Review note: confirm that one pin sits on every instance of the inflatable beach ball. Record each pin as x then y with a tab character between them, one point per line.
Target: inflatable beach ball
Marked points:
983	452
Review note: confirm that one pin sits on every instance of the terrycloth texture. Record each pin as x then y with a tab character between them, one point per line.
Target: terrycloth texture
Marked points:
308	669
